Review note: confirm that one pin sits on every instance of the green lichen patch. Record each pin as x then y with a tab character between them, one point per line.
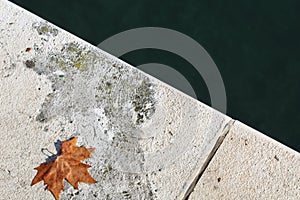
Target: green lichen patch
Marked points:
107	168
76	56
43	28
143	102
29	63
124	92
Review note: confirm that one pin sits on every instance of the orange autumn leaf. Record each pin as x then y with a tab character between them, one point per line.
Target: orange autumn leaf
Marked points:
66	166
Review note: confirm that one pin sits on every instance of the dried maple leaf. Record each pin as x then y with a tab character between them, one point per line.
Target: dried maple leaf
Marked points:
66	166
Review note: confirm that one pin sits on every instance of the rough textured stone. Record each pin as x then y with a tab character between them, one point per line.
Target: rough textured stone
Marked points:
151	140
250	165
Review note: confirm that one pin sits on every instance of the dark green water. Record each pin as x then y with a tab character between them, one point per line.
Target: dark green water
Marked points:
255	44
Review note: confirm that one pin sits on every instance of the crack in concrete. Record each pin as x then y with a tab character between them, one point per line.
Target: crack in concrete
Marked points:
220	140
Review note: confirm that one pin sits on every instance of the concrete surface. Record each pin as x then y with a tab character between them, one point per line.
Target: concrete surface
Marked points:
250	165
151	140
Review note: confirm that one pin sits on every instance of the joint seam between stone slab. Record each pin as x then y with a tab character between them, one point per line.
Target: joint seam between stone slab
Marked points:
220	140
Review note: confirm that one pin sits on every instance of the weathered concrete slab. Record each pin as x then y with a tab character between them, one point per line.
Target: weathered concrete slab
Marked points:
250	165
151	140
